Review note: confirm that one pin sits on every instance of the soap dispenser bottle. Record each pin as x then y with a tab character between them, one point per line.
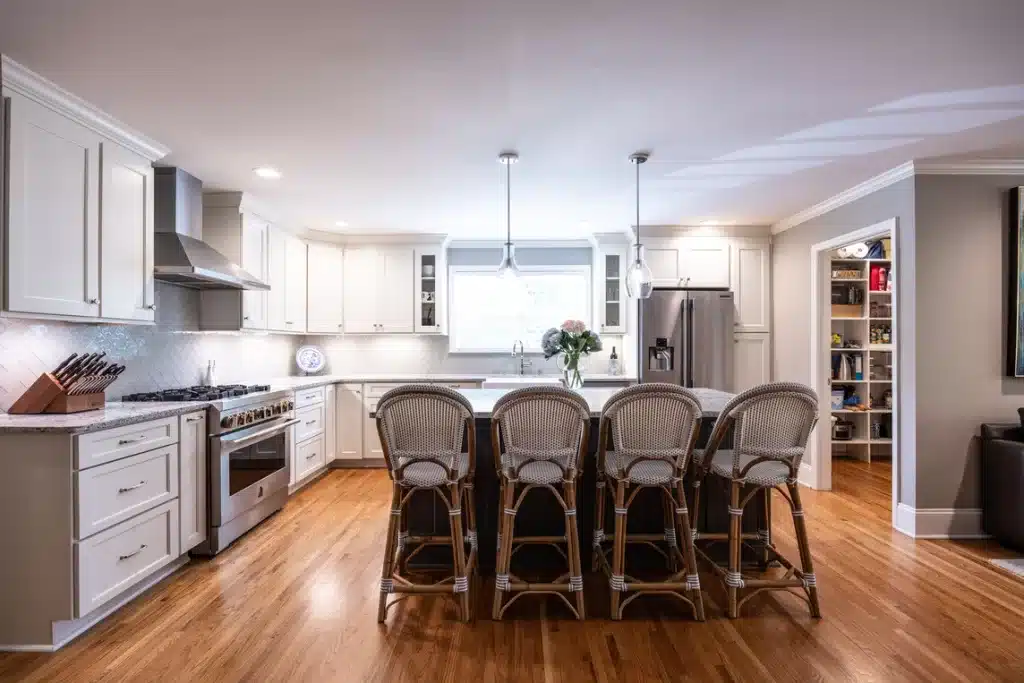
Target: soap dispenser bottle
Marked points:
613	363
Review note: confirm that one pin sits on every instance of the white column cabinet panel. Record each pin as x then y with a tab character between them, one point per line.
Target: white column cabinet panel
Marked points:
126	235
53	222
330	423
277	278
396	286
192	479
359	290
349	422
295	284
704	262
751	285
325	276
752	360
255	261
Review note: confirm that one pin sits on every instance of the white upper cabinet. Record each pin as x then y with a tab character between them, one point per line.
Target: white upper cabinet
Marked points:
704	262
77	188
255	261
751	284
126	229
276	298
379	289
431	289
610	287
664	257
295	285
53	224
324	277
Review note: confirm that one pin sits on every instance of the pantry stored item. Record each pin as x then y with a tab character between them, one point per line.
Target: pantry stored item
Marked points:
842	430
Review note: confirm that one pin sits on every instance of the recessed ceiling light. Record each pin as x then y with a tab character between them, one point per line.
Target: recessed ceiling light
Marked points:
268	172
716	223
341	224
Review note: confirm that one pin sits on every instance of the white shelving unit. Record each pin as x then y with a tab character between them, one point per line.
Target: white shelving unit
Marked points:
862	317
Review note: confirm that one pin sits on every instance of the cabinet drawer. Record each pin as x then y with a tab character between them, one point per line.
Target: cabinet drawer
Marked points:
112	493
309	457
307	397
114	444
116	559
378	390
311	422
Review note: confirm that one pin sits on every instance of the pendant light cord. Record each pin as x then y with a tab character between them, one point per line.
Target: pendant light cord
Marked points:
639	301
637	164
508	205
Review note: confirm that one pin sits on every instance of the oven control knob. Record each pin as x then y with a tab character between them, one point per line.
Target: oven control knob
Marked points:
258	413
249	417
291	405
227	422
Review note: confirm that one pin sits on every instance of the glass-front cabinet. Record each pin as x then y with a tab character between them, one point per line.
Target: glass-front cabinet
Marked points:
431	290
612	261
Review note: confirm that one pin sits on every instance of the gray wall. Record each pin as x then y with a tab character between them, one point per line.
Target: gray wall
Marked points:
791	310
158	356
962	242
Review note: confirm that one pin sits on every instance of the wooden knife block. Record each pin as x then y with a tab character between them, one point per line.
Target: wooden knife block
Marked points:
46	395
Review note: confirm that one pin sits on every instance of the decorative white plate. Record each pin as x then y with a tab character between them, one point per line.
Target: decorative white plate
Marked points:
310	359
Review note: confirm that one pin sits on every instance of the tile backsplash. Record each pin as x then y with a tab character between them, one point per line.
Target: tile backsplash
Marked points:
169	354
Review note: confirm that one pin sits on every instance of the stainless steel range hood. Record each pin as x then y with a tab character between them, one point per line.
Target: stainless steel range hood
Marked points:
179	253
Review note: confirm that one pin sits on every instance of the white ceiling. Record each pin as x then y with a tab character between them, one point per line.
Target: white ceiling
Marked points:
389	115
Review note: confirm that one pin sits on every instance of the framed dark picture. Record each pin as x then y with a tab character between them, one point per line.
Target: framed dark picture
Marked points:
1015	287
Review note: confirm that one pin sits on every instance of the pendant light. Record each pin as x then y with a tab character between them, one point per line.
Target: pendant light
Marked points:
639	281
508	269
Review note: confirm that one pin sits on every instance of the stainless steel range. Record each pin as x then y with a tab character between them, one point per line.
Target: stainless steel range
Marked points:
250	448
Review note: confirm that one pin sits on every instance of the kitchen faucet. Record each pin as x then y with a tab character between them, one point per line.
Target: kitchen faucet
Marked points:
523	363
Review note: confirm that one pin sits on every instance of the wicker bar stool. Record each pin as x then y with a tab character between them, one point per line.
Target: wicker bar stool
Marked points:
647	434
771	424
423	429
539	435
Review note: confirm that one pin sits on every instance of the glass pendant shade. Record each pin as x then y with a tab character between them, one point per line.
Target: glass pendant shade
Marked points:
509	269
639	281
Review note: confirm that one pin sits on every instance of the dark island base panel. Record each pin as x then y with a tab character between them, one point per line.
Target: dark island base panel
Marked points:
541	515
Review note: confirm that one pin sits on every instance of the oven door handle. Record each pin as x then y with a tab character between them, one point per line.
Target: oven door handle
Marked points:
243	441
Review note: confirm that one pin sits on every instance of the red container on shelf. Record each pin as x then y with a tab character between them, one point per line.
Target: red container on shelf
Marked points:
875	280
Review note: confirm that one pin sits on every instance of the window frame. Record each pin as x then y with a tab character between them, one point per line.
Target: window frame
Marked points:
453	271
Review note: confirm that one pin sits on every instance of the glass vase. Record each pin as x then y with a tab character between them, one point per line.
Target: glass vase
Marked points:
572	367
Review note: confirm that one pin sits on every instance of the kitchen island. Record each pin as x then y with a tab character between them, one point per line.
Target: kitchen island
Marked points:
541	514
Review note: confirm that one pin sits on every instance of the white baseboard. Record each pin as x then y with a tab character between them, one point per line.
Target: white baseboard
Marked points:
938	522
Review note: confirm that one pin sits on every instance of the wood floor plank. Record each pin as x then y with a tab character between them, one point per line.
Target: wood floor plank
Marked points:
295	600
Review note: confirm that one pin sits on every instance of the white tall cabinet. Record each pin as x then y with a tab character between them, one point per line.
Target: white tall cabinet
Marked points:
78	193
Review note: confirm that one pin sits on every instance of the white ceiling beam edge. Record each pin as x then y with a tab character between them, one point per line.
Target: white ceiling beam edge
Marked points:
894	175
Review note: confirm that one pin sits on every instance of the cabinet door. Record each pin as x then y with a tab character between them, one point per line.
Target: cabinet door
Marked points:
349	422
324	275
277	279
751	284
53	220
396	305
192	480
430	295
611	297
752	361
295	284
359	290
126	231
254	261
663	258
704	262
330	423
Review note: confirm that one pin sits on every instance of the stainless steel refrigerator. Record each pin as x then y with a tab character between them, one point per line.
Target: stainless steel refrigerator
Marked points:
686	338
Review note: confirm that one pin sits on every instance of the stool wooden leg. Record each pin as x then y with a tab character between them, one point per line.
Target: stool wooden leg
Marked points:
572	538
671	540
469	512
389	551
810	582
619	551
506	523
683	521
599	500
734	580
461	586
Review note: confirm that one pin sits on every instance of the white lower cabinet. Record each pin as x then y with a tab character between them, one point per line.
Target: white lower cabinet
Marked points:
192	471
349	422
330	424
308	458
751	360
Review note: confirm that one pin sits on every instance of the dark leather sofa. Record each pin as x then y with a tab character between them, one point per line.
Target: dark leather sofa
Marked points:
1002	483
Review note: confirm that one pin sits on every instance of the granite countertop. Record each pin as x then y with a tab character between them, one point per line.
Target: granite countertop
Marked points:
311	381
115	414
712	401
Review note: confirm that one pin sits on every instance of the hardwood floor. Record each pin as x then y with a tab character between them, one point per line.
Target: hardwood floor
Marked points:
295	601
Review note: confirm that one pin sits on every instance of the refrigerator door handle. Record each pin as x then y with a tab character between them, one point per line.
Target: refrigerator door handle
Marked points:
688	363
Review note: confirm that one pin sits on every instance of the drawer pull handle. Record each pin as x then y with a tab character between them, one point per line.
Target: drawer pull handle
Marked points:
126	489
125	442
310	422
194	419
310	456
122	558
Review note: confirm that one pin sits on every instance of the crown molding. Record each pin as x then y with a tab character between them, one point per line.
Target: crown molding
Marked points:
878	182
972	167
33	86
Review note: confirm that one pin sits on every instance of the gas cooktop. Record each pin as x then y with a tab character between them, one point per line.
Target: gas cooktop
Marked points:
198	393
